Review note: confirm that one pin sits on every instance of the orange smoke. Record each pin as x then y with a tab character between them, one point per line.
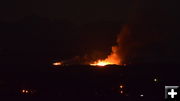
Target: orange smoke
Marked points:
113	58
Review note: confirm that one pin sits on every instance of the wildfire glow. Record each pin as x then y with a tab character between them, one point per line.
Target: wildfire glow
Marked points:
57	63
113	58
101	63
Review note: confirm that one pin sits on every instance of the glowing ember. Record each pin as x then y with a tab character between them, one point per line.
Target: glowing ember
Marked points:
113	58
57	63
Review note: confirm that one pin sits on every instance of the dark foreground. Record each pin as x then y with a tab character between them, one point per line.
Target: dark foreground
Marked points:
87	83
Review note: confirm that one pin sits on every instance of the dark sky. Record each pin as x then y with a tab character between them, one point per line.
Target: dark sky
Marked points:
153	32
64	22
39	30
76	11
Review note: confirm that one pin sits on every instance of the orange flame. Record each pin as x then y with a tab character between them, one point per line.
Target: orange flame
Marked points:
57	63
100	63
113	58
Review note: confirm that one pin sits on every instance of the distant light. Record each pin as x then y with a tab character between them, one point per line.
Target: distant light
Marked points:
57	63
141	95
23	91
121	92
121	86
155	80
27	91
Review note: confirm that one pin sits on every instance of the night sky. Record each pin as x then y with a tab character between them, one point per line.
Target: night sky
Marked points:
37	31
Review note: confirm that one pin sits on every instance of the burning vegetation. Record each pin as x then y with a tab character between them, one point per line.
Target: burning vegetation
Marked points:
120	52
112	59
120	55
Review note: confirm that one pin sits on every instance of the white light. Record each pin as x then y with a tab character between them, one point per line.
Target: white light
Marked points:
141	95
155	80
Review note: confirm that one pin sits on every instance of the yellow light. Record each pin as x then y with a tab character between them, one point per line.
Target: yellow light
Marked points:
57	63
121	86
101	63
